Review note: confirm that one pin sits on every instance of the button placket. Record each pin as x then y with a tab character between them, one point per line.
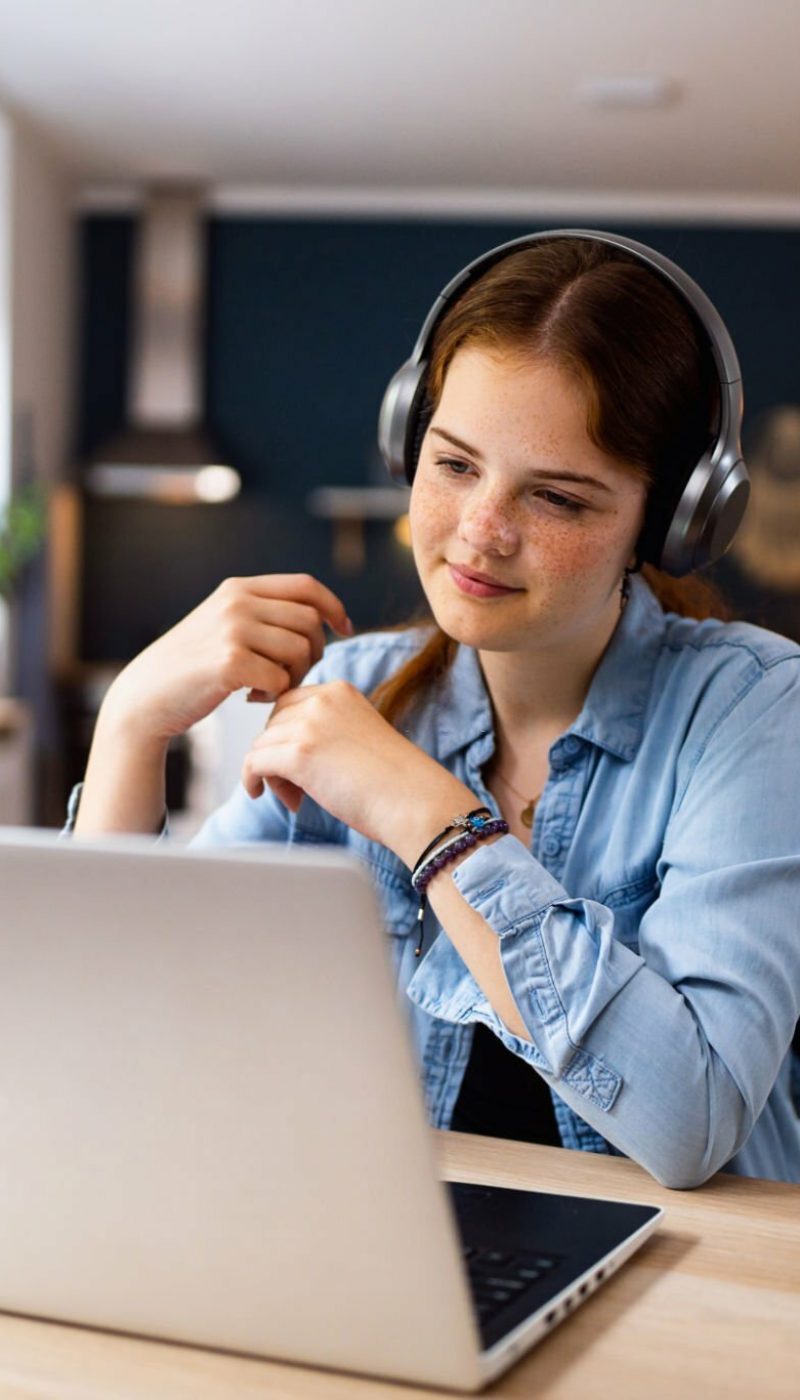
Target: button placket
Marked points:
558	808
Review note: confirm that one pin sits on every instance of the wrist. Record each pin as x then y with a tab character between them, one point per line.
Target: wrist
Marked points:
117	726
449	847
423	820
454	843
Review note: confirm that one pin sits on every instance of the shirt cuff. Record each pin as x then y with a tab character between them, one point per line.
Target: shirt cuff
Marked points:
506	885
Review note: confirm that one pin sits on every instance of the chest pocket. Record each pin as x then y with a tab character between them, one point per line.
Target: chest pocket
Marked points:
392	883
629	903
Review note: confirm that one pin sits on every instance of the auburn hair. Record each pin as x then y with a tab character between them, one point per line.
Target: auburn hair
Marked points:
632	344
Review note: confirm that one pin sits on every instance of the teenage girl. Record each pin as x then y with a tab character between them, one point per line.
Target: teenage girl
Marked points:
593	782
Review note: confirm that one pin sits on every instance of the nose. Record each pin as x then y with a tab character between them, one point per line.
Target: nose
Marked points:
488	525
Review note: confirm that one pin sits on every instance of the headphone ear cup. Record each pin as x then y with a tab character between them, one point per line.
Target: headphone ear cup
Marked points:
706	517
398	420
729	509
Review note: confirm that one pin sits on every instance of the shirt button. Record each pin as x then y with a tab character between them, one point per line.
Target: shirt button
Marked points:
551	845
572	743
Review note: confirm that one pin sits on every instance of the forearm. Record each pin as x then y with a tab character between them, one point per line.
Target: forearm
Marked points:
125	784
409	835
477	944
621	1045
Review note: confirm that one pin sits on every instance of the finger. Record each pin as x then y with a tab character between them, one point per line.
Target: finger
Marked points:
291	651
257	674
273	769
288	793
296	618
304	588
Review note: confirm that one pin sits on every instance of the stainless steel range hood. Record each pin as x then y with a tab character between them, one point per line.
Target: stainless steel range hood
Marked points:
164	451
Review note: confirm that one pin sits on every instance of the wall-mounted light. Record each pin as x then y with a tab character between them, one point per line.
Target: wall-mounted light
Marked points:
170	485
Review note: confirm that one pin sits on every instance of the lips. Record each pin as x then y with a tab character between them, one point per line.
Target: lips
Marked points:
477	584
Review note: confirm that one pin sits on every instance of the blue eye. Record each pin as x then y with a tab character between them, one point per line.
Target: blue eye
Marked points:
563	503
453	466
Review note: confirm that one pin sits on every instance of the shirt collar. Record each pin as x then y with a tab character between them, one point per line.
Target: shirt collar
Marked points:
613	713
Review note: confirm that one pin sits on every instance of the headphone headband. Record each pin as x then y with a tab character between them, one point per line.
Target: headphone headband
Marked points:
715	490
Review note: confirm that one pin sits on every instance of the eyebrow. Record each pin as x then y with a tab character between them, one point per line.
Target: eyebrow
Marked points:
562	474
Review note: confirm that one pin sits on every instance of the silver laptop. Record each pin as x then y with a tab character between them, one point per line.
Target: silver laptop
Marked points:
212	1125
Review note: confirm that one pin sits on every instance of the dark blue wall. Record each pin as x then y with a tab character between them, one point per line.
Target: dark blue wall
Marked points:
307	319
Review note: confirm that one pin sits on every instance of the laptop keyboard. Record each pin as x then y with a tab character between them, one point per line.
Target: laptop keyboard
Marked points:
498	1277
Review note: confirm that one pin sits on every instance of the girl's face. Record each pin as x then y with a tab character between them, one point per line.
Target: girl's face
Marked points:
521	527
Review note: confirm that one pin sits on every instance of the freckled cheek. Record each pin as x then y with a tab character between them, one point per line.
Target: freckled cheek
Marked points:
567	563
429	518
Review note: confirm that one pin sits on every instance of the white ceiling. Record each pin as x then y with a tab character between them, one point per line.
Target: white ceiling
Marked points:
443	100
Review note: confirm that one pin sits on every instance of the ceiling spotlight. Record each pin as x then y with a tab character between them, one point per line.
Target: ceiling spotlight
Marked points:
628	92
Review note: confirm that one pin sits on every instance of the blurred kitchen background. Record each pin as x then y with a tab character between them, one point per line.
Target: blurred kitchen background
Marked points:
220	229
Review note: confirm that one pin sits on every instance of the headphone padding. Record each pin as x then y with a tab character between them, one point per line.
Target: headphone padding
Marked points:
399	415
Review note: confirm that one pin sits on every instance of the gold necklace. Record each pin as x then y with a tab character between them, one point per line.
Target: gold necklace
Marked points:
528	812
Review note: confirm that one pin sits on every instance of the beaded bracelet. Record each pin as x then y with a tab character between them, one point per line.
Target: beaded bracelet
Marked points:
424	870
473	828
423	874
459	824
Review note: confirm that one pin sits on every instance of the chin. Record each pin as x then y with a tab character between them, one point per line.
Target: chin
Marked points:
473	627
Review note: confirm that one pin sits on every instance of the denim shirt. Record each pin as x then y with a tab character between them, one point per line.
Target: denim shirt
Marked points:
651	934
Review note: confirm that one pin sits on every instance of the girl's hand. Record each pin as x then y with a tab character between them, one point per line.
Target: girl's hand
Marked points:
263	633
330	742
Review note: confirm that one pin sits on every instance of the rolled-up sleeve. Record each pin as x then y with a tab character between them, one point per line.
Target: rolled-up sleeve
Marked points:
669	1052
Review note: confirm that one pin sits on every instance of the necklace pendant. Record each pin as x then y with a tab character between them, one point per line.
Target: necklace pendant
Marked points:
527	813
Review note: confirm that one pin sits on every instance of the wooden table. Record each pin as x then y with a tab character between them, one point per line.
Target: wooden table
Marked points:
710	1306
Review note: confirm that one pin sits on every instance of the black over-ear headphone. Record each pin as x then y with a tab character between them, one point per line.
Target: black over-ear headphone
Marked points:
707	505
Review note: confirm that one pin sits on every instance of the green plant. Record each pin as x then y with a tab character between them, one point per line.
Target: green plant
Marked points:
23	523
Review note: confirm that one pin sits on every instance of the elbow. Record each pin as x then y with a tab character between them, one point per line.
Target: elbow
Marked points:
687	1166
694	1136
678	1170
682	1177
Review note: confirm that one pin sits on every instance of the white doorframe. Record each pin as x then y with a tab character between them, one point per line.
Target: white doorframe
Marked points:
6	157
